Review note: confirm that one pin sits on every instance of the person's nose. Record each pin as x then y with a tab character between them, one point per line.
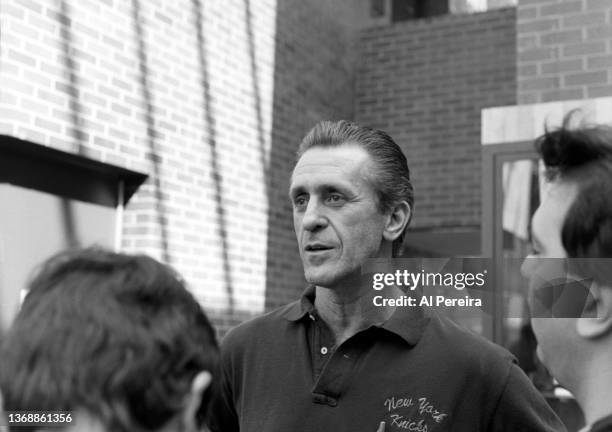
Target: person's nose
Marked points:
528	266
314	216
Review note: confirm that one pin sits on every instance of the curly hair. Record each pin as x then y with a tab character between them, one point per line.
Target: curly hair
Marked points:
115	335
583	155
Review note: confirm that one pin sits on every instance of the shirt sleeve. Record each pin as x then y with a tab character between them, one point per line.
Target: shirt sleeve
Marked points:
223	417
521	407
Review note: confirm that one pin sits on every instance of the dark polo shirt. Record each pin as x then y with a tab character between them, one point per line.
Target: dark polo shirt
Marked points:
416	372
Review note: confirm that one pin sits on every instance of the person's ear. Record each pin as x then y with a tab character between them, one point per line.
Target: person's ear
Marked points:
194	399
599	306
397	221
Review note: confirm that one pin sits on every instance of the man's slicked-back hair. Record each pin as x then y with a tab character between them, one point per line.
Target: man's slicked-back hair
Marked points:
583	155
390	175
114	335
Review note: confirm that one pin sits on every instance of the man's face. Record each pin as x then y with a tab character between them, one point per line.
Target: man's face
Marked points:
546	265
335	214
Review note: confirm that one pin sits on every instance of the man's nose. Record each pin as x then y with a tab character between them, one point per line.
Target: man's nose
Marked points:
528	266
314	217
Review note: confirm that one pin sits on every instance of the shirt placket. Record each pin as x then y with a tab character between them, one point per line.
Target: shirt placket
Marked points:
337	370
321	345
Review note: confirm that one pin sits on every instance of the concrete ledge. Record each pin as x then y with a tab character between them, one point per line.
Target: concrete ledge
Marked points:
526	122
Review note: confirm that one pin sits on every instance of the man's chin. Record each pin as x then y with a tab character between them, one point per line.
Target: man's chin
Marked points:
319	277
318	280
544	360
540	355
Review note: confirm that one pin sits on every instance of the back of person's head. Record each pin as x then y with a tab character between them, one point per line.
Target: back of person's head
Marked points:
115	336
583	155
390	176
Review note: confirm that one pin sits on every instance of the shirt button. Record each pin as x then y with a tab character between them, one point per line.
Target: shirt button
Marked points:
324	350
311	316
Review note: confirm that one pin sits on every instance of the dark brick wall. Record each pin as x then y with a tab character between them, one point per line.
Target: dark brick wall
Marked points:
425	83
564	49
314	80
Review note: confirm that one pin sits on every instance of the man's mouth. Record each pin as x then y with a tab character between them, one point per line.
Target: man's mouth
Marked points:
317	247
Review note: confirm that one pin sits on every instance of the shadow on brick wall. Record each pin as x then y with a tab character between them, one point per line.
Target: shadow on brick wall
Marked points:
313	81
209	121
76	110
284	277
153	155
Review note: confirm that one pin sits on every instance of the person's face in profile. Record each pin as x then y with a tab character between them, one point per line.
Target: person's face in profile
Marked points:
546	268
335	214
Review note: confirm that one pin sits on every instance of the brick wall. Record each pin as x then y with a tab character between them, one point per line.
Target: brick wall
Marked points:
425	83
314	80
564	49
206	97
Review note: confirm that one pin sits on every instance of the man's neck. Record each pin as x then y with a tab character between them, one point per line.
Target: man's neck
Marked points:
346	312
595	393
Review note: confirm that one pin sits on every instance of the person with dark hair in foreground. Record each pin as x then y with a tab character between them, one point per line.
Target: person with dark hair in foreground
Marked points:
116	340
572	228
333	361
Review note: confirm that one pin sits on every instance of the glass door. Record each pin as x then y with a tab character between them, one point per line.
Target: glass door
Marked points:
511	194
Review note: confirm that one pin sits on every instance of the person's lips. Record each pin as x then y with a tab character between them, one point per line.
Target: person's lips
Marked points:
317	247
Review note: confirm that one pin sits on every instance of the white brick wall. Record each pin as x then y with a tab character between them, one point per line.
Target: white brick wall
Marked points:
80	66
158	97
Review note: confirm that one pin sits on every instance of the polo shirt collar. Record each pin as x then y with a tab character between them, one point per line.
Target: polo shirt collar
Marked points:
407	322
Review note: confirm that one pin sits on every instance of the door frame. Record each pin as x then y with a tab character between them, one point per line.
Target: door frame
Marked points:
493	158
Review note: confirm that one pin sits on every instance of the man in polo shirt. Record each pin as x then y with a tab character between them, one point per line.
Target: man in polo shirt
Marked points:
572	232
332	361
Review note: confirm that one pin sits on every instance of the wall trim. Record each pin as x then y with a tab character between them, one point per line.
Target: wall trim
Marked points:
526	122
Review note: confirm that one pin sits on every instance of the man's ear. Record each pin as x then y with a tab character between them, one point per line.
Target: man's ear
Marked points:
397	221
599	305
194	399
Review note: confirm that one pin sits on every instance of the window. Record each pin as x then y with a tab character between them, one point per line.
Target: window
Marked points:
403	10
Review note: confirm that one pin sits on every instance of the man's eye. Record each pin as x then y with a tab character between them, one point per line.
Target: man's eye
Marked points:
335	198
300	202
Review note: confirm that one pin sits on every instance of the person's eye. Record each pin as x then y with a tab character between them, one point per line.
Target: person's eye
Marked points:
335	199
300	202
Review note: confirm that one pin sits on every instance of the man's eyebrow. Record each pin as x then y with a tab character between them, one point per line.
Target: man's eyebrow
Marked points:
320	188
294	191
335	188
